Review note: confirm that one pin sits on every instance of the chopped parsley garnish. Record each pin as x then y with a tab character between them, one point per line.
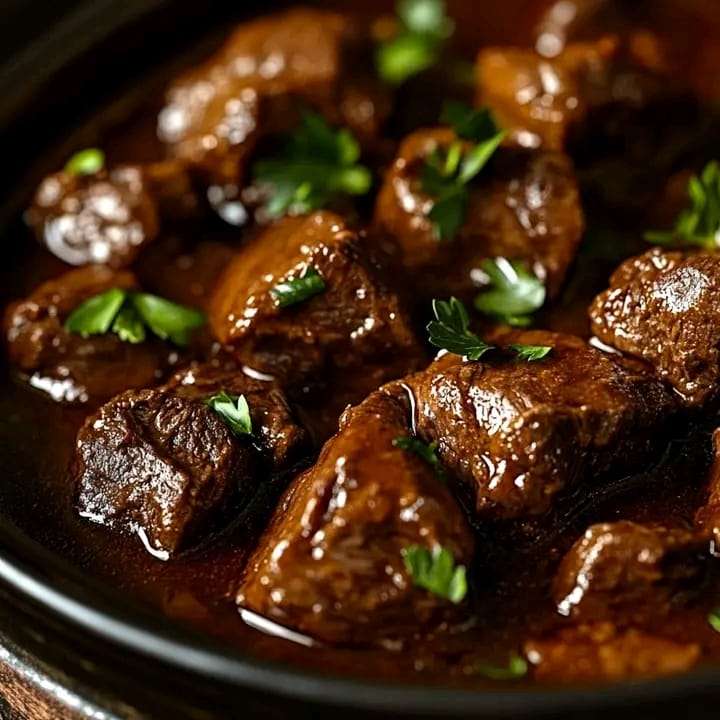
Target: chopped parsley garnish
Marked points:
234	411
699	223
714	620
516	668
531	353
318	164
86	162
435	570
423	29
129	314
513	293
446	174
450	330
297	290
475	124
428	452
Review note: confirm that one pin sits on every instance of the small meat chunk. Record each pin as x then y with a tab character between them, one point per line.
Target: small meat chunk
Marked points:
355	319
330	564
517	433
628	570
67	366
524	206
164	465
661	307
602	652
255	84
708	515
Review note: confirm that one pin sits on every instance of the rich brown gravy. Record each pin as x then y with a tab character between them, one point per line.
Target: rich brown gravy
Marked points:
512	601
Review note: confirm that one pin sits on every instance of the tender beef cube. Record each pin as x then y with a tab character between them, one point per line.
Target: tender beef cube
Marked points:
255	84
355	320
330	565
524	206
162	464
65	365
661	307
708	515
602	652
517	433
628	570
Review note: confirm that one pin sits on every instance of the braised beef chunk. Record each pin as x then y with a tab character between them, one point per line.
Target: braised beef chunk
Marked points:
708	514
625	569
70	367
161	463
602	652
255	84
661	307
331	563
525	206
517	433
348	319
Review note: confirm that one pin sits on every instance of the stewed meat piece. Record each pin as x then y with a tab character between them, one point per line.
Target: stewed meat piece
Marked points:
257	82
331	563
162	464
517	433
601	651
661	307
109	216
65	365
707	516
628	570
524	206
349	317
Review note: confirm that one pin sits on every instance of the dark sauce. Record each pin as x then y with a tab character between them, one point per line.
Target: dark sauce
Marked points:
511	597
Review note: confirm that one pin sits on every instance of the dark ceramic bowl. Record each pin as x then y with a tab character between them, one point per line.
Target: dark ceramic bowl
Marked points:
66	634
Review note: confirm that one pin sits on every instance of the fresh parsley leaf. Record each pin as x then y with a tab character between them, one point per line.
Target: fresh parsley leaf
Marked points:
714	619
513	293
317	164
167	320
297	290
531	353
435	570
234	411
424	27
699	223
128	325
450	330
516	668
86	162
95	315
469	123
428	452
445	176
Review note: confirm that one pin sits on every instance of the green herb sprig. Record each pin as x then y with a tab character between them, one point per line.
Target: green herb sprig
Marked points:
451	330
435	570
447	173
427	451
531	353
86	162
318	164
513	293
714	619
699	223
297	290
234	411
130	314
424	28
516	668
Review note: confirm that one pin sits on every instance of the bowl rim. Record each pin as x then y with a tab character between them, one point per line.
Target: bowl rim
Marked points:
44	577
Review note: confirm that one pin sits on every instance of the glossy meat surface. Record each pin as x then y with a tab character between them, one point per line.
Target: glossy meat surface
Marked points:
67	366
256	83
525	206
661	307
516	433
330	564
162	464
356	319
626	569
